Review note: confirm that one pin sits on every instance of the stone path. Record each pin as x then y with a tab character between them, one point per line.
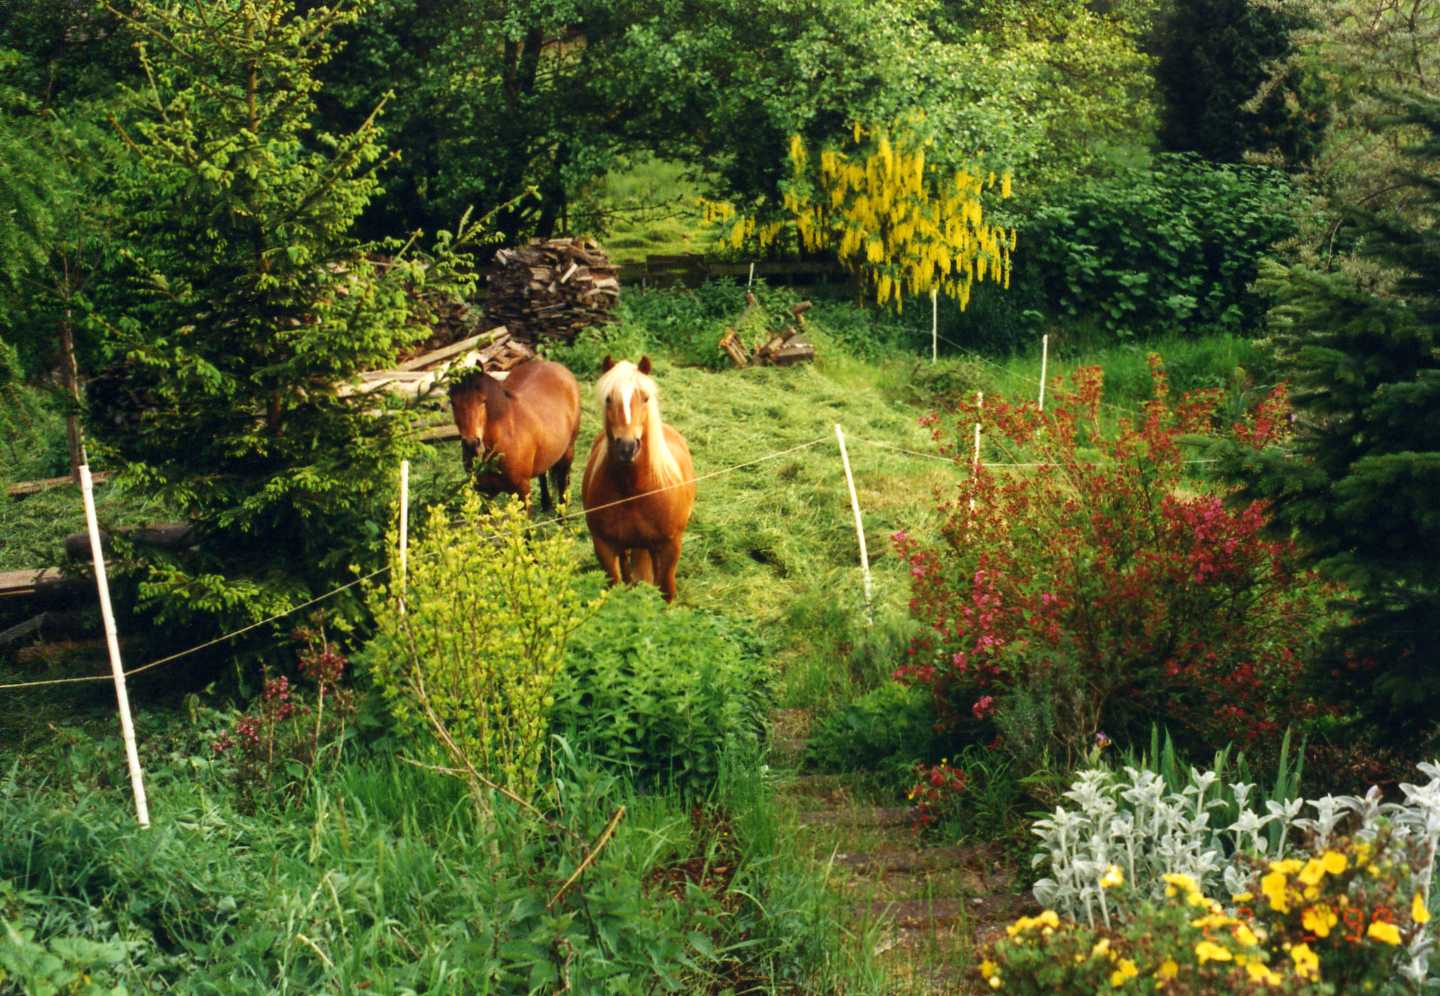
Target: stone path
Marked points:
935	904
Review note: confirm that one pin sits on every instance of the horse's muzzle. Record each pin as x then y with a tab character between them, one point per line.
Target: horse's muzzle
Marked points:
625	449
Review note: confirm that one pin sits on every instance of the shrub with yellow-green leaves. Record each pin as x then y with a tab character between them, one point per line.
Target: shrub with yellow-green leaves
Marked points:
468	648
1340	920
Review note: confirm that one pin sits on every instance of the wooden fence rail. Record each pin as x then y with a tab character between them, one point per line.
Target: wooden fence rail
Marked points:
693	269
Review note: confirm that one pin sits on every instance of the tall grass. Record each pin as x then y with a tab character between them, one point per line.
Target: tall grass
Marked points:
385	879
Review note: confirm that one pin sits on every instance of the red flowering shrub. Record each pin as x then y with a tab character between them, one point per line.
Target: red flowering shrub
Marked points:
936	793
1091	585
279	742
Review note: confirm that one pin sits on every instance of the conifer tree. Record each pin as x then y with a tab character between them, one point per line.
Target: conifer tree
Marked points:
242	299
1361	482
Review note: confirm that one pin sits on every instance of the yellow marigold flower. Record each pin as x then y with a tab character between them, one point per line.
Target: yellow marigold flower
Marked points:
1167	970
1246	936
1242	897
1362	854
1212	921
1386	933
1418	912
1260	972
1334	862
1177	881
1273	886
1210	951
988	968
1113	876
1287	867
1307	962
1102	947
1124	969
1318	920
1313	872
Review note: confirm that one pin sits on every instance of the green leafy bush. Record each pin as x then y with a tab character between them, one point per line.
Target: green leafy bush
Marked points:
664	692
1166	249
894	724
469	649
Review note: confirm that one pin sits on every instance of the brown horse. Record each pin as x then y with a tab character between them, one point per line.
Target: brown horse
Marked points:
639	484
526	424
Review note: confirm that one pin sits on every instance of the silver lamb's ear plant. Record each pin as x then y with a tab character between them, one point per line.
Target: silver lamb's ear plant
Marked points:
1131	820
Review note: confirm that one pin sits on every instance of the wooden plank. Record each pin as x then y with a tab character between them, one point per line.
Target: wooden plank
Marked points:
24	489
445	352
24	629
25	582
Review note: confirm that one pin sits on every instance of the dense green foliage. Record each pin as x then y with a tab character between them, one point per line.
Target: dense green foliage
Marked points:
1168	249
383	879
1360	481
892	725
664	694
239	300
1215	56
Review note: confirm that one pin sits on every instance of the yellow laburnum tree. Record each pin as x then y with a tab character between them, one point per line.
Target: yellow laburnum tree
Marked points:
904	225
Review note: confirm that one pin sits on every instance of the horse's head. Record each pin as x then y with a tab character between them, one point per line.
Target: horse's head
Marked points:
629	401
467	404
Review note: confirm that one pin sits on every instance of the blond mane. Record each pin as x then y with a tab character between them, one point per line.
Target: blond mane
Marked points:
658	458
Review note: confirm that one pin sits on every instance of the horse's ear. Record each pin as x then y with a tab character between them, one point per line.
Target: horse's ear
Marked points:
644	367
609	362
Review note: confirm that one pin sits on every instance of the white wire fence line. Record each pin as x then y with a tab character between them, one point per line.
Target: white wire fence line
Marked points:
554	520
955	461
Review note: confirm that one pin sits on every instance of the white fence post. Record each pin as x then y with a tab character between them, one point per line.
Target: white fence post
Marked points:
859	526
934	325
975	460
112	643
1044	361
404	526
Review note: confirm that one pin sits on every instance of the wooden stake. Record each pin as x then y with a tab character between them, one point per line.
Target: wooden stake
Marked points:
934	325
404	525
1044	360
859	525
112	643
751	279
975	461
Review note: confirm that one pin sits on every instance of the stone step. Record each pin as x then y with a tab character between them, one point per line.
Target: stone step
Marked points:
918	859
858	816
943	911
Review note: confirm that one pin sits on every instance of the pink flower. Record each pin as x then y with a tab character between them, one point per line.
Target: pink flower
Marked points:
983	707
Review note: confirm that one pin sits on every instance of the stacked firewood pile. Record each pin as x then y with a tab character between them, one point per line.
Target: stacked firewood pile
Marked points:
779	347
421	376
552	289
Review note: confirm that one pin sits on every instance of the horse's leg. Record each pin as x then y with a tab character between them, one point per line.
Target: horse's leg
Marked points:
560	475
667	559
545	504
642	566
610	557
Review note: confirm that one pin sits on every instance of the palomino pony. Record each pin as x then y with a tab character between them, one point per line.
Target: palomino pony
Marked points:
527	423
639	484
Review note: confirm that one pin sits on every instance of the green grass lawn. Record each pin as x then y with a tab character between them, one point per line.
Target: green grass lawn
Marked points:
649	206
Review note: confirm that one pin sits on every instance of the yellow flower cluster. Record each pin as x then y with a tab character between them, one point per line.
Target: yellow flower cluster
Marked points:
909	226
1047	920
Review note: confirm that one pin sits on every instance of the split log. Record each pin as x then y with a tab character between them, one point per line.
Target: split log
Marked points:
780	348
24	489
165	535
